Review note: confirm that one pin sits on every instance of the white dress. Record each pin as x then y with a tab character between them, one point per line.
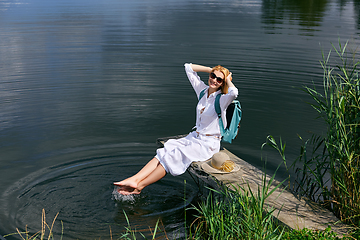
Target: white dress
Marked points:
199	145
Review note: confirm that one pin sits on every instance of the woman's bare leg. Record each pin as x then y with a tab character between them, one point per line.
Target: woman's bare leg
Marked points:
131	183
155	176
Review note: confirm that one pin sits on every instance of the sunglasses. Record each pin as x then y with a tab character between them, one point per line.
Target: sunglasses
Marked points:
218	79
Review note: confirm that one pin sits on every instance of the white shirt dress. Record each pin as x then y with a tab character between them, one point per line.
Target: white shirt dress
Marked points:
177	154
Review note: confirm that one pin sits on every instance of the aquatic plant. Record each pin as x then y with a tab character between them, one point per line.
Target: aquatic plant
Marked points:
331	163
132	234
236	213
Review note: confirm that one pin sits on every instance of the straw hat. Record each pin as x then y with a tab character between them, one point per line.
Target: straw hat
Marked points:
220	163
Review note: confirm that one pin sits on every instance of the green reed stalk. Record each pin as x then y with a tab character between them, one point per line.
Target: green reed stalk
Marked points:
339	106
270	141
133	234
236	213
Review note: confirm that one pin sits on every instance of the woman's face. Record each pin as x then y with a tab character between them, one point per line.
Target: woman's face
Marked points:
216	79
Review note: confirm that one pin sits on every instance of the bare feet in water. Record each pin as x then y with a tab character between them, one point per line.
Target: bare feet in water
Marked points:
128	191
153	171
127	187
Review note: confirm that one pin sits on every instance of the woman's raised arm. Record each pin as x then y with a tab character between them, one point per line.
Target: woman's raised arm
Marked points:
200	68
229	80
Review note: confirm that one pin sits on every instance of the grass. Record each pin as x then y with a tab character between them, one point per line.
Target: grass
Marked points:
307	234
236	213
331	163
133	234
46	231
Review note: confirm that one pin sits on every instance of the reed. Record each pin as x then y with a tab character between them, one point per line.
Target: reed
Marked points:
133	234
236	213
46	231
308	183
331	165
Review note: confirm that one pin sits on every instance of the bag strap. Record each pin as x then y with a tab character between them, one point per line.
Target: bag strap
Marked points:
202	93
218	111
217	105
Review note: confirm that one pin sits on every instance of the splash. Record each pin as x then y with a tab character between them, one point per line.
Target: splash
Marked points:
122	198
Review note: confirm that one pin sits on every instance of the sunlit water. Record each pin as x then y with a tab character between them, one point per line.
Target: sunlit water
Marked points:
86	88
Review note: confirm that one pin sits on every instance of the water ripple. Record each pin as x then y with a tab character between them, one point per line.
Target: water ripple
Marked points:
82	192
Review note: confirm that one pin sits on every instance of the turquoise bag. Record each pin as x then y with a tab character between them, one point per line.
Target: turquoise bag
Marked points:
233	118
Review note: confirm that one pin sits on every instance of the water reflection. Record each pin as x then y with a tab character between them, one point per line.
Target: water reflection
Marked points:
308	14
357	12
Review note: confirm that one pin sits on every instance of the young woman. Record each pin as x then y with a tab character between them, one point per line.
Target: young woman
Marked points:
199	145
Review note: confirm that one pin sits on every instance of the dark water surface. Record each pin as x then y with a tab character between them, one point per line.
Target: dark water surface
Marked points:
86	87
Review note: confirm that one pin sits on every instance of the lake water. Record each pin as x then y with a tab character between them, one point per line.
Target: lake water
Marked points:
86	88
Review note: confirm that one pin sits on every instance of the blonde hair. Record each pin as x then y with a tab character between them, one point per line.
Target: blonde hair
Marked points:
224	87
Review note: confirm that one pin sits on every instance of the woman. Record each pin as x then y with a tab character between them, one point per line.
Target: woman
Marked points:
199	145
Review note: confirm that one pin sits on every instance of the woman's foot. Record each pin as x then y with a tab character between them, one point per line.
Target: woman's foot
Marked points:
127	187
128	191
127	183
